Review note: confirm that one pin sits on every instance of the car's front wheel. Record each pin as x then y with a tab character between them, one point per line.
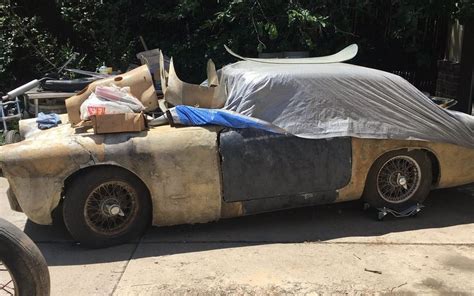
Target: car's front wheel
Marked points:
398	180
106	206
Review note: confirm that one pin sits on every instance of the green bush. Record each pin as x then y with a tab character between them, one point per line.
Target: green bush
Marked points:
37	36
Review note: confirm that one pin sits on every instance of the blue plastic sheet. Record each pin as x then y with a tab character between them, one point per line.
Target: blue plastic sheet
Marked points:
201	116
46	121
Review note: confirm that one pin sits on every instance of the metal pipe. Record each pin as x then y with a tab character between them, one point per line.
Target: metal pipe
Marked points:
21	89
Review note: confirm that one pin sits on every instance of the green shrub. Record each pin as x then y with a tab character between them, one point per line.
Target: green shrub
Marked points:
37	36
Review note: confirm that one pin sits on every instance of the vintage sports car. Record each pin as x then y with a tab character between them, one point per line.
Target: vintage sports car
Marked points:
352	133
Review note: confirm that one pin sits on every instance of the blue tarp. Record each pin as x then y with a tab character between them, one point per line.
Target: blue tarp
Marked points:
46	121
188	115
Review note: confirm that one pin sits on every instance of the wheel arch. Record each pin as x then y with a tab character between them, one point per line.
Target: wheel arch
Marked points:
426	163
365	153
69	179
435	165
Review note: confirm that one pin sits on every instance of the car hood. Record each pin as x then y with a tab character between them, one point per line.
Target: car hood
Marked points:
29	128
66	140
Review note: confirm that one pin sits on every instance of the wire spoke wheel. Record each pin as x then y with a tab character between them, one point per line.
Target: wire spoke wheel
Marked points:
111	207
398	179
106	206
7	282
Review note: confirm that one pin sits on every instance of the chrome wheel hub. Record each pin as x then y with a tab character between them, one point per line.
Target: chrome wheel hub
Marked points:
402	181
111	207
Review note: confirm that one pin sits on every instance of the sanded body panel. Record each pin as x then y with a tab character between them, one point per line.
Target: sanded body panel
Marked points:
257	164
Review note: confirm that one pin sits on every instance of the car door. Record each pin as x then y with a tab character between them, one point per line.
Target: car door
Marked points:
259	165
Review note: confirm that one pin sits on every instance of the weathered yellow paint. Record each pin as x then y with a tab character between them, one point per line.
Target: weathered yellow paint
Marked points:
230	210
179	166
36	168
456	163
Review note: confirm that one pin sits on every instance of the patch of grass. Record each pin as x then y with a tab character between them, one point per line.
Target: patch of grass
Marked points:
15	125
2	139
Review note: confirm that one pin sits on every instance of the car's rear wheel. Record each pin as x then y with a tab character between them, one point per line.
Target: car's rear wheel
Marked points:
106	206
398	180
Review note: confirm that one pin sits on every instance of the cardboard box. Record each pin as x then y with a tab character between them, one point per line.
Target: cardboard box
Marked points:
118	123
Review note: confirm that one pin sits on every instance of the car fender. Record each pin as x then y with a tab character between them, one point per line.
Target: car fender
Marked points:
180	167
36	170
454	164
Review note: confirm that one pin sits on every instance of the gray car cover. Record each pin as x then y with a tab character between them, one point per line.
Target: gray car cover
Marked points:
337	100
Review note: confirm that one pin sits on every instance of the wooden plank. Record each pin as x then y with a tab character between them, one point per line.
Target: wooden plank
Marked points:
42	95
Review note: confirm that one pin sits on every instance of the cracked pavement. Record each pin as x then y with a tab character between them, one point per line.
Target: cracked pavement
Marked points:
333	249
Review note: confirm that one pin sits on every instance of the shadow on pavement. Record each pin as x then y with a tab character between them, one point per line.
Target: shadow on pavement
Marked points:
447	207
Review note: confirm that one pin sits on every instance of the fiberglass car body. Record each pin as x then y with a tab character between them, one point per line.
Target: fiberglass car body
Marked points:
110	187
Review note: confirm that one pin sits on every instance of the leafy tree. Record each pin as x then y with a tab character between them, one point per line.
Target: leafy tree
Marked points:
38	36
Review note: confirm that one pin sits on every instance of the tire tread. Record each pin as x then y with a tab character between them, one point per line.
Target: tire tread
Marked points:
24	260
371	195
76	194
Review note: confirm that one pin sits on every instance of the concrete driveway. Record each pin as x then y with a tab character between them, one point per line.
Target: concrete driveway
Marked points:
326	249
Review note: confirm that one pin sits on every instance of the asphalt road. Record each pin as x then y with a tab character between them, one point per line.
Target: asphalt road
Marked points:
325	249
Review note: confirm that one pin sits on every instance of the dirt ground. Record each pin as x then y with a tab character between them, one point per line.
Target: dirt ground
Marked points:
335	249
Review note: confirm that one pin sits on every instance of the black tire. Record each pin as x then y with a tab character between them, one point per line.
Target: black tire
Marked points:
57	215
89	207
12	136
71	85
378	182
24	261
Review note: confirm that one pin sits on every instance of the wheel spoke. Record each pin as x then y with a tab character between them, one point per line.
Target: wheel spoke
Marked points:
101	211
398	179
7	285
